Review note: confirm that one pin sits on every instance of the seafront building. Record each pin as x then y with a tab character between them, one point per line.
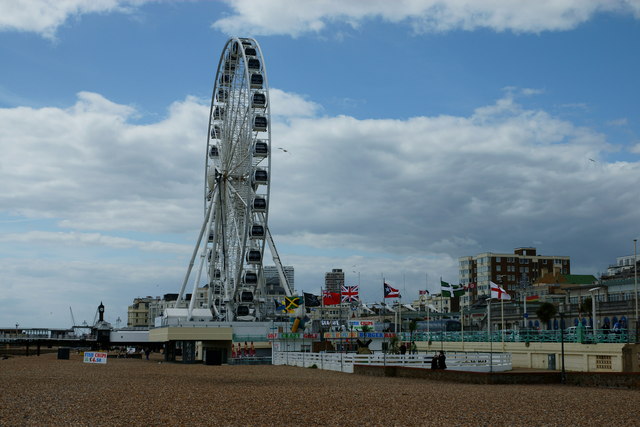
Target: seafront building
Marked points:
334	280
514	272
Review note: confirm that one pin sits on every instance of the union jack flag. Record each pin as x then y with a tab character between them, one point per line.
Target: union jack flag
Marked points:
350	293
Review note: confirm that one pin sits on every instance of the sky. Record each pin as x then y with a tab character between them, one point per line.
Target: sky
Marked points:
416	132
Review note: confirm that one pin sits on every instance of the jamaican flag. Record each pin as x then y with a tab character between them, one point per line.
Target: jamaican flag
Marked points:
291	303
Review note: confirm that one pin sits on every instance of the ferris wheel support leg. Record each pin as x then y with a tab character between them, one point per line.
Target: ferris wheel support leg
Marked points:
205	223
276	260
195	287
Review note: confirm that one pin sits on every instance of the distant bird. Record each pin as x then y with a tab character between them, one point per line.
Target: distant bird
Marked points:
280	148
592	160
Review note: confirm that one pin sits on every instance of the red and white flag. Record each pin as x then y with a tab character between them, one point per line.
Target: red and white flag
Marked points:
350	293
498	293
330	298
390	292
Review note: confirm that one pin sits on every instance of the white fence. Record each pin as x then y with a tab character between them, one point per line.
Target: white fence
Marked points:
343	362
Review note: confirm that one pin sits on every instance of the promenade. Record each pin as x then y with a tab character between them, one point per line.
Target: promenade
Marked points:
42	390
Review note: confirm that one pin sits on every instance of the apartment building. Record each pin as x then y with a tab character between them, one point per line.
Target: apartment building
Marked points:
515	272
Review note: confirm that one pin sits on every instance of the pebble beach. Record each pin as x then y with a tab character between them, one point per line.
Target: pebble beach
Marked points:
45	391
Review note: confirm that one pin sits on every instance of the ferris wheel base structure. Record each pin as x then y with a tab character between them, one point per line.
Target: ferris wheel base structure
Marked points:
234	235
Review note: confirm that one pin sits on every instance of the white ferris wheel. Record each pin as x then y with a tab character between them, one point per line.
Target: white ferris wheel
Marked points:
234	232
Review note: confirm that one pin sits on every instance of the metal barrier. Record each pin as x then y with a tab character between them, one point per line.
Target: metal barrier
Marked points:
344	362
524	335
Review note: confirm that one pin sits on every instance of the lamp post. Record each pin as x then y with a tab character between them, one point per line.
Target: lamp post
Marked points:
635	282
563	374
593	307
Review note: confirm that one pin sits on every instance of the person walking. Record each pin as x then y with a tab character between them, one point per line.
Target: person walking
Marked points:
434	362
442	364
403	349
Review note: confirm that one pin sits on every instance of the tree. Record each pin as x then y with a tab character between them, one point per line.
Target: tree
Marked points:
546	312
413	325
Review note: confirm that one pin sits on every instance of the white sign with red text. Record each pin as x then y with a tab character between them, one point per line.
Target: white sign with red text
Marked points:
95	357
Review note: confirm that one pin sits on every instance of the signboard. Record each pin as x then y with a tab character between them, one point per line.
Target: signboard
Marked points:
357	325
341	335
95	357
325	322
292	336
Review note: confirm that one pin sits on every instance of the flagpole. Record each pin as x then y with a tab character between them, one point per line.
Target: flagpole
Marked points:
524	319
426	284
462	323
502	319
489	329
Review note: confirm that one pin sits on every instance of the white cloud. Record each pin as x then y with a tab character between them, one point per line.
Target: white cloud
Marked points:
445	184
45	16
92	169
623	121
59	239
403	198
287	104
296	18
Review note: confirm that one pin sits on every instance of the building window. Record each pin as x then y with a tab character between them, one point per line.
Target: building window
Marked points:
524	261
498	259
511	259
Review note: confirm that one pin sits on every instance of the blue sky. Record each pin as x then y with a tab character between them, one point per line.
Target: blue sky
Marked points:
416	134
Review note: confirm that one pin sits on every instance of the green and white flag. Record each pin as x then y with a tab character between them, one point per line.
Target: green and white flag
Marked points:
449	290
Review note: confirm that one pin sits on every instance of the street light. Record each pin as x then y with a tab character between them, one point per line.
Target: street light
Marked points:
635	281
563	374
593	307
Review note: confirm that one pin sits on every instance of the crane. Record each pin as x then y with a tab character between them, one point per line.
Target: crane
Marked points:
73	320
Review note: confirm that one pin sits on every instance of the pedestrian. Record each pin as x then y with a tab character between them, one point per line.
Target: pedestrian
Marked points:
414	348
233	351
434	362
147	352
442	364
605	328
403	349
252	350
245	351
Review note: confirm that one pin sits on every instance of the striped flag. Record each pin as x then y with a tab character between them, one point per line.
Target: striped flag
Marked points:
350	293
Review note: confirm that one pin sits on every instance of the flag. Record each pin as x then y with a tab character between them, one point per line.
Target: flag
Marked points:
279	306
470	285
330	298
350	293
424	292
449	290
311	300
390	292
291	303
498	293
533	298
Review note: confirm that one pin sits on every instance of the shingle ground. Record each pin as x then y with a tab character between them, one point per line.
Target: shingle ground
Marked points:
39	391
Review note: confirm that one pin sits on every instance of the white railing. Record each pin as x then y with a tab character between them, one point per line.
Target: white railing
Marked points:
344	362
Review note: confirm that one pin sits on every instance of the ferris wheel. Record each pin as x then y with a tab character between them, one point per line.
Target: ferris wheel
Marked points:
236	189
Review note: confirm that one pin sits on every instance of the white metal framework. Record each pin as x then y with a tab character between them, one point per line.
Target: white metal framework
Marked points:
236	190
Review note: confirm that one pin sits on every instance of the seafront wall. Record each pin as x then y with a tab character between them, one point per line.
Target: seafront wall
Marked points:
603	357
594	379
